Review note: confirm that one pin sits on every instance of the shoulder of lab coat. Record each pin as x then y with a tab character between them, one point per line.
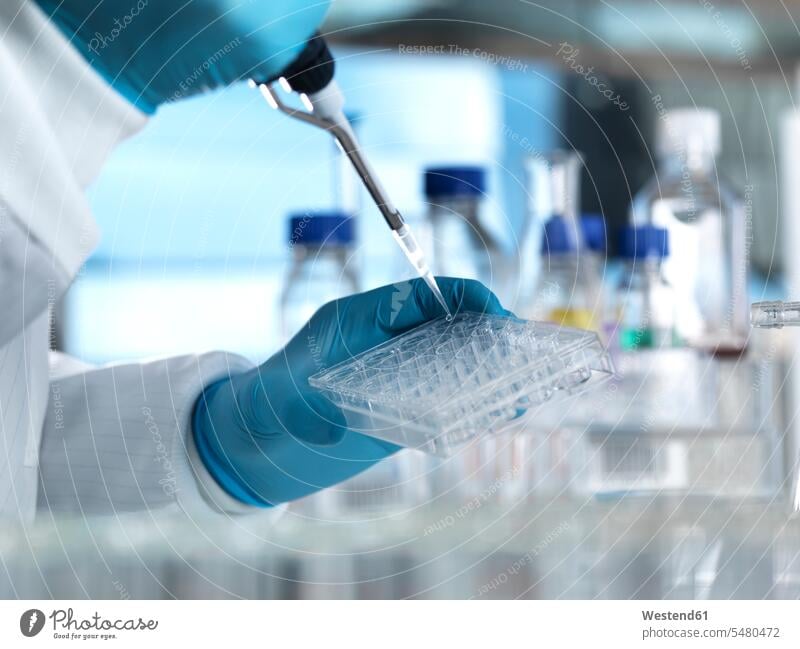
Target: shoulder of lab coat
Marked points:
118	438
59	120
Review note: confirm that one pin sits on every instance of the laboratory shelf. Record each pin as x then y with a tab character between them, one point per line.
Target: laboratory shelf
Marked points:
539	548
680	421
566	506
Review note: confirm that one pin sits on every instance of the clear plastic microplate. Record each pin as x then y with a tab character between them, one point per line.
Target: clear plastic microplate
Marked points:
445	383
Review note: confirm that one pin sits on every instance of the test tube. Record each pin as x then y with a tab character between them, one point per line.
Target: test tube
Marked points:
775	314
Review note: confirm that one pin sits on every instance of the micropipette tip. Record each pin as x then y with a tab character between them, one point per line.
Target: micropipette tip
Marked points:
408	243
430	280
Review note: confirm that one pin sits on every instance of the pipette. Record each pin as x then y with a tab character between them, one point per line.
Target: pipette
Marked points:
325	109
775	314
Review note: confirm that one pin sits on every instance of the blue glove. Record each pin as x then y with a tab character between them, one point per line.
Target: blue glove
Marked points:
268	437
153	51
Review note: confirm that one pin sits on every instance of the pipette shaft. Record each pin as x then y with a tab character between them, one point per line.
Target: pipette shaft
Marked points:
327	111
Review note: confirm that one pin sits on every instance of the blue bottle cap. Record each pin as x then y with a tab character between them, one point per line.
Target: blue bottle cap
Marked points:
644	241
593	227
455	181
556	237
318	228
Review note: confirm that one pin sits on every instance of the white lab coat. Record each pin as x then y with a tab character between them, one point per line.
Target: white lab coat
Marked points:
73	438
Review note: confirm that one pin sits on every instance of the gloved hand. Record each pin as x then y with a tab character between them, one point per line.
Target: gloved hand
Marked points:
154	51
268	437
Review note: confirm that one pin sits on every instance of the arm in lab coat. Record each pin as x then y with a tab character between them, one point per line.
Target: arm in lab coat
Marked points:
114	438
117	438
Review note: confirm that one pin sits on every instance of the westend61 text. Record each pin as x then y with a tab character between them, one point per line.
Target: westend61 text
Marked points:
672	615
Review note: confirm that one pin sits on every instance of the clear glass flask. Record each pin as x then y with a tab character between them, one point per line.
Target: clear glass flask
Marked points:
553	190
568	292
553	182
321	269
707	230
646	301
462	247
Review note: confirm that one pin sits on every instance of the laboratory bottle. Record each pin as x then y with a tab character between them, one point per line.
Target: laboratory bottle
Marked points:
553	181
645	301
593	228
321	268
567	291
552	184
706	222
462	246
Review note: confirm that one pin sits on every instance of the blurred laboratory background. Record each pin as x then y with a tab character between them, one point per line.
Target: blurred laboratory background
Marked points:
195	210
626	167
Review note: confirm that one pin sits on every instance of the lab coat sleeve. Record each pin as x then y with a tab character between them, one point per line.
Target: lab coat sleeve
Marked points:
118	438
